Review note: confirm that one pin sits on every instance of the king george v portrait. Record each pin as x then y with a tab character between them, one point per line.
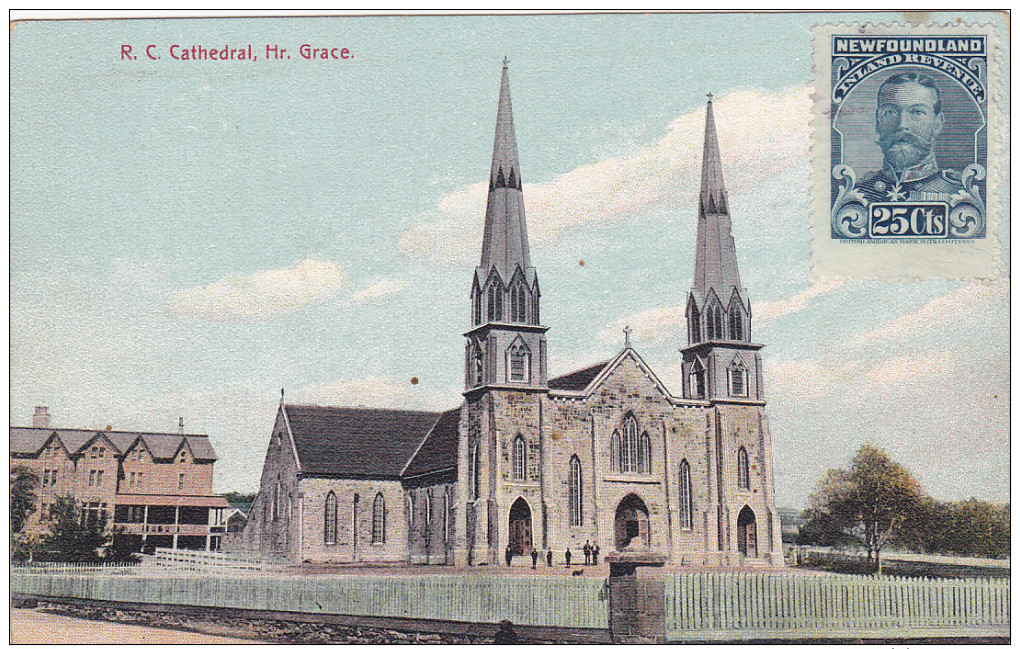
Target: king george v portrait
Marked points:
908	122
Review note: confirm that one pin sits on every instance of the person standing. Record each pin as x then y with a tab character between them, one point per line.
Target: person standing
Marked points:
595	555
568	556
587	552
548	558
534	558
509	555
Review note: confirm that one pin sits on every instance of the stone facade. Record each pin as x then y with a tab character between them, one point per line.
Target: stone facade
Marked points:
605	455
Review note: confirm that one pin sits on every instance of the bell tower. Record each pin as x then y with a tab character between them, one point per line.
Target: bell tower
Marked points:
506	343
720	362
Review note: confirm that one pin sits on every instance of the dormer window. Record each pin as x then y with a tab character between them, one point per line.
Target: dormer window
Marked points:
495	302
694	322
736	320
518	303
737	375
518	357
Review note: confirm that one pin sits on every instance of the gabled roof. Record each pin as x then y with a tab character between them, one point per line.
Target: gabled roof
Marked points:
438	450
121	441
28	444
31	441
586	381
369	442
162	446
578	379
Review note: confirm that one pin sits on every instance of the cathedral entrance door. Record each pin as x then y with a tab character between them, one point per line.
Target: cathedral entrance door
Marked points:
747	534
632	523
520	527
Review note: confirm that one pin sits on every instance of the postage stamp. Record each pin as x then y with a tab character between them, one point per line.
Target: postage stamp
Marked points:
903	120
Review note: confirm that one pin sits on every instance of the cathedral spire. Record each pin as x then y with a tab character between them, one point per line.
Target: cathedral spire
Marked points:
715	261
505	243
506	344
720	360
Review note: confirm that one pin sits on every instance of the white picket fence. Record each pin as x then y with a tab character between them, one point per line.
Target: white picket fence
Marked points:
567	602
746	605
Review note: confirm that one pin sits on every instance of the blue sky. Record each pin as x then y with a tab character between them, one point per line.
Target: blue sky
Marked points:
189	237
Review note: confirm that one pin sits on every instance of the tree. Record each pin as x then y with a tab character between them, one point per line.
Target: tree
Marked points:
75	536
23	486
871	501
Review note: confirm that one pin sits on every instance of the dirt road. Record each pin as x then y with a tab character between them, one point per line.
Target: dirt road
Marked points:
37	627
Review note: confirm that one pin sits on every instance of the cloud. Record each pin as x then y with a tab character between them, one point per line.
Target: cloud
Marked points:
756	146
263	294
955	305
766	313
374	292
655	325
902	370
373	391
648	326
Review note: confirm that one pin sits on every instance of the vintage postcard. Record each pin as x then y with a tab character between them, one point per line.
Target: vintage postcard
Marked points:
590	328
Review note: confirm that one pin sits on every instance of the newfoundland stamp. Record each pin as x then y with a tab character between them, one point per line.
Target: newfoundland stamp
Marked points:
905	151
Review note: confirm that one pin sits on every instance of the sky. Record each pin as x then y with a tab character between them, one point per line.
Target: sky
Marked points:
188	237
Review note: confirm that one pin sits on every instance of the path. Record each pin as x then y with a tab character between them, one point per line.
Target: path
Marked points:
37	627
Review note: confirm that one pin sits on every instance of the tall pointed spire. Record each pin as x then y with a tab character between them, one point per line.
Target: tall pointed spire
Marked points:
720	361
505	243
506	344
715	261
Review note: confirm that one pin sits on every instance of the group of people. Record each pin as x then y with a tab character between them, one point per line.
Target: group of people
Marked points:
591	555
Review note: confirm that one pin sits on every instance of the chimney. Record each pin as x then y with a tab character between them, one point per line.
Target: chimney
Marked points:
41	418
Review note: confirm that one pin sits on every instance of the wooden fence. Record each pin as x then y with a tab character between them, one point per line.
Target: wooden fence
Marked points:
207	562
709	606
745	605
566	602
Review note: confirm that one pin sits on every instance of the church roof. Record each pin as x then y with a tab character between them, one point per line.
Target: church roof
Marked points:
578	379
358	442
438	450
29	441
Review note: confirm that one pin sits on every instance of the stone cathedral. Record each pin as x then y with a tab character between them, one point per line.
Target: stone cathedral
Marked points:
605	454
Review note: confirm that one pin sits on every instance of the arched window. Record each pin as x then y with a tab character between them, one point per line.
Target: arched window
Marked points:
518	303
520	461
686	501
710	323
428	512
743	475
737	375
694	323
630	445
614	452
645	455
576	492
474	473
329	518
478	308
354	518
534	308
736	320
476	362
517	358
697	380
379	519
495	302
